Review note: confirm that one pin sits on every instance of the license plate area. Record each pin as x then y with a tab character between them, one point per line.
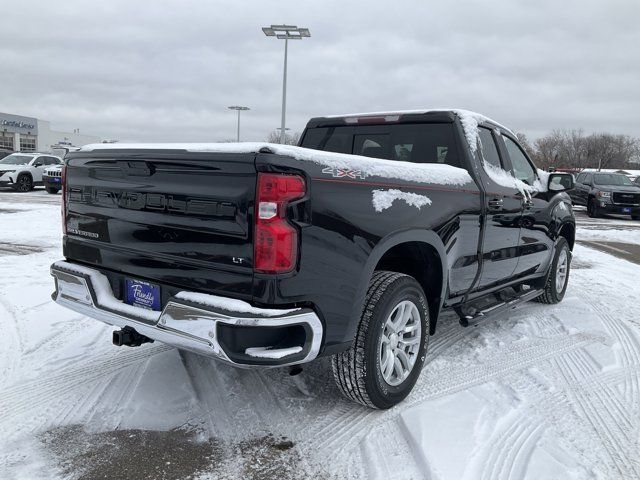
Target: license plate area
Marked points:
626	210
142	294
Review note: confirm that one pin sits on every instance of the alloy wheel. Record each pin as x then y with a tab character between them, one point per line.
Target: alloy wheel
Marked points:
400	343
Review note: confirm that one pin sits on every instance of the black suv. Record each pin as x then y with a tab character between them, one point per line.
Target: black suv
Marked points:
604	192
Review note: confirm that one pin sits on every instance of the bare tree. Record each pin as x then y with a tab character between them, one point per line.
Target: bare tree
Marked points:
574	149
289	138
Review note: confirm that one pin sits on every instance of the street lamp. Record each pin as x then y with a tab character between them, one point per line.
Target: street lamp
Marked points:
280	134
239	109
286	33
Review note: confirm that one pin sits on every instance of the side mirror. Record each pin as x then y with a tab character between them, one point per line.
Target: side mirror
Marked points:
560	182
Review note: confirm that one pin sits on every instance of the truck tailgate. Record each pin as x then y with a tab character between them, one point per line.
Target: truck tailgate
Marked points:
174	217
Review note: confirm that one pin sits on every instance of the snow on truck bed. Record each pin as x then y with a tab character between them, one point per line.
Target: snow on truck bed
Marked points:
370	167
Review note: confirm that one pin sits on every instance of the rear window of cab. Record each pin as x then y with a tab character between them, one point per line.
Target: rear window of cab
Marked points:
417	143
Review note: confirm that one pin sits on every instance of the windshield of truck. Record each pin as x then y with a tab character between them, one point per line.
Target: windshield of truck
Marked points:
16	159
611	179
418	143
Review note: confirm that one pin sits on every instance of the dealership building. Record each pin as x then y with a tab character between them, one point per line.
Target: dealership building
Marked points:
27	134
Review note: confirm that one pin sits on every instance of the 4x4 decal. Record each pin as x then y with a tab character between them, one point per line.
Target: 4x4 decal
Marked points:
344	173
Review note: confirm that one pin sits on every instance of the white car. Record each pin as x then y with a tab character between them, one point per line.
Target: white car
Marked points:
23	171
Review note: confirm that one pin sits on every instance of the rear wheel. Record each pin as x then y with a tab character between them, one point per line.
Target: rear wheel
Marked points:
558	277
592	208
385	360
24	183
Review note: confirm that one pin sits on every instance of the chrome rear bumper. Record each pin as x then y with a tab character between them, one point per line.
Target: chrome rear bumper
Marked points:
188	321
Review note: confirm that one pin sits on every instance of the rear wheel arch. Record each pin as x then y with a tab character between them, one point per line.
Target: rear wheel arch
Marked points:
427	264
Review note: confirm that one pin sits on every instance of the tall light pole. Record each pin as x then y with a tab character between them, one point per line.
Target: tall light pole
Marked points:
285	134
286	33
239	109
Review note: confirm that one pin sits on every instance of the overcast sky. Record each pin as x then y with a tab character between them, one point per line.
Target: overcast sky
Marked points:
151	70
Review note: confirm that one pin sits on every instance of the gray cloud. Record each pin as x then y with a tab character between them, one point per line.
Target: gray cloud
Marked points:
166	71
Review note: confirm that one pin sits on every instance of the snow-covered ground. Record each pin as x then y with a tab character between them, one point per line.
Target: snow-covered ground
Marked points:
544	392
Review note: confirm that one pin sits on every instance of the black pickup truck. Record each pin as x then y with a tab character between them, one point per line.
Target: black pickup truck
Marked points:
351	245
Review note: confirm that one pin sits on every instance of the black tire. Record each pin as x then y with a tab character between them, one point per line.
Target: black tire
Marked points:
52	190
592	208
635	217
357	371
24	183
551	294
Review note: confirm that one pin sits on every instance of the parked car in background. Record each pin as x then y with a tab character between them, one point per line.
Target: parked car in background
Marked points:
23	171
606	193
52	179
4	152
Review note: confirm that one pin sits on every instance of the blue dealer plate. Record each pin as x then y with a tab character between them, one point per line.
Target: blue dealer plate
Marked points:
626	210
142	294
55	179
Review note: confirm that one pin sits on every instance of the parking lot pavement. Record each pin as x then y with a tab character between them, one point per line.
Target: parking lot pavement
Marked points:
37	195
605	221
625	251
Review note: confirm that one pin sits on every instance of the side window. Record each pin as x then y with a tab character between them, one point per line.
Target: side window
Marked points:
588	179
522	169
329	139
489	150
580	178
38	162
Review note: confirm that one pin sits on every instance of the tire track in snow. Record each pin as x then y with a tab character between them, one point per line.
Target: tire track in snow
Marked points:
435	384
10	345
33	394
596	412
212	396
398	459
231	396
630	351
600	404
509	454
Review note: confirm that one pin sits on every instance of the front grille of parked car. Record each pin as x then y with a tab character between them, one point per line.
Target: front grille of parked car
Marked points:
626	198
53	173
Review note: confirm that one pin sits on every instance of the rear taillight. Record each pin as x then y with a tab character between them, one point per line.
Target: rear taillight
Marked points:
63	182
276	239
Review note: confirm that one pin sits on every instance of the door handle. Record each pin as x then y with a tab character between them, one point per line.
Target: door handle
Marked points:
496	204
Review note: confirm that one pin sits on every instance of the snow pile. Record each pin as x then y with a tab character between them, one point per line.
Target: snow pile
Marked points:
231	305
440	174
270	352
383	199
